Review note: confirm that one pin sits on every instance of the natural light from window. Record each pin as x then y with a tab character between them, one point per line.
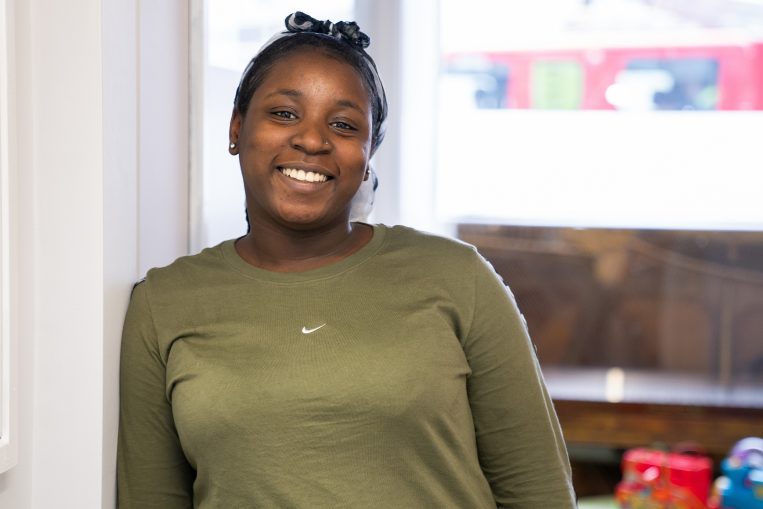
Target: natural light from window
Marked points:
624	113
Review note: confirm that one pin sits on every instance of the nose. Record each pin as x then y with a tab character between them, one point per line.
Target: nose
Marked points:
311	137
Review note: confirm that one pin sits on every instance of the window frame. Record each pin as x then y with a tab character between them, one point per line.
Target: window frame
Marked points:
8	365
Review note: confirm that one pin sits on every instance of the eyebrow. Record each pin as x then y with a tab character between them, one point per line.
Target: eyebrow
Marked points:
285	91
349	104
290	92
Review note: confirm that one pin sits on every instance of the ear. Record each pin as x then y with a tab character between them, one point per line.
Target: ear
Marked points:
234	131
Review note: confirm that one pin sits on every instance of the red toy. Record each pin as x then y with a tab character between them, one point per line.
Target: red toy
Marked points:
655	479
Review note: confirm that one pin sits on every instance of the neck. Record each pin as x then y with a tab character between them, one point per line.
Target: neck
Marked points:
281	250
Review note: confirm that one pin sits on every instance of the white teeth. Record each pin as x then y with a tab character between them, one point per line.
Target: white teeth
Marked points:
304	176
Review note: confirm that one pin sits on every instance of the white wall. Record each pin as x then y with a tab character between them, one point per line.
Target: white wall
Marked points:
164	131
88	176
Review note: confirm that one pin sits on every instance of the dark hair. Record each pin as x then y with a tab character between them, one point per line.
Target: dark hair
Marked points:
260	66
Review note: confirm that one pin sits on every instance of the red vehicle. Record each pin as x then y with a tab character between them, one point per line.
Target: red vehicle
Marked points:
725	74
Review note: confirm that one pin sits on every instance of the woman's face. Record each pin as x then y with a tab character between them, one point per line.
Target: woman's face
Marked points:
304	143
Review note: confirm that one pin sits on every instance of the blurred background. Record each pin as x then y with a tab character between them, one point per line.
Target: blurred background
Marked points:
604	155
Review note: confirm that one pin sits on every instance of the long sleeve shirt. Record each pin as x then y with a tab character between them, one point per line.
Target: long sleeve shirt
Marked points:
402	376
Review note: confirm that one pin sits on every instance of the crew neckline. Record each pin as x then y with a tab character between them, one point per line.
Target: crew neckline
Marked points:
231	256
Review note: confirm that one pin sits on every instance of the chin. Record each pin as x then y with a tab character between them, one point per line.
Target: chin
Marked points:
309	216
307	221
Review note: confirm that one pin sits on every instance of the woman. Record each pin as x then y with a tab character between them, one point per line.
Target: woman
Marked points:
316	362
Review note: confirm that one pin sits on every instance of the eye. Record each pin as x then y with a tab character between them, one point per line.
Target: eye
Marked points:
284	114
344	126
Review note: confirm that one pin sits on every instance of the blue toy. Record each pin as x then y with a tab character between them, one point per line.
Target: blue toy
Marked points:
741	486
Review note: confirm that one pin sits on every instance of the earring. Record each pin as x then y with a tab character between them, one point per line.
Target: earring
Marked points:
232	146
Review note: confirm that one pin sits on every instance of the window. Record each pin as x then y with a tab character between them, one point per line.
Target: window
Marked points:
604	156
480	82
579	116
666	84
556	85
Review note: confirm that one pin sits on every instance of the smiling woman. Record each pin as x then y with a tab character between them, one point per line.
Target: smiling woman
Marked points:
320	362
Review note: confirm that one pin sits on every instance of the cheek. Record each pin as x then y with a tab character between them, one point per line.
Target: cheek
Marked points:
257	130
259	151
357	154
263	139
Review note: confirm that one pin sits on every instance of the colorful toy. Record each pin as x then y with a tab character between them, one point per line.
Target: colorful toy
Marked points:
656	480
741	485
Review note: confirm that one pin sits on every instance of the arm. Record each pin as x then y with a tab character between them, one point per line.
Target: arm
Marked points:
520	443
152	471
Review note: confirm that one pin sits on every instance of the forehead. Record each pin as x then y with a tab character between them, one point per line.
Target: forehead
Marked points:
313	68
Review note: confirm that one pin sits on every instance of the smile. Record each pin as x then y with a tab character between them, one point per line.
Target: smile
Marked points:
303	176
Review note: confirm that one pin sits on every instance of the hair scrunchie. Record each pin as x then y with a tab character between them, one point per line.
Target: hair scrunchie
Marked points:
349	31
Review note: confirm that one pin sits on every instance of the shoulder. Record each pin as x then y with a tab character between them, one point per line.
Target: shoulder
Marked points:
436	251
419	255
189	288
434	247
444	255
188	271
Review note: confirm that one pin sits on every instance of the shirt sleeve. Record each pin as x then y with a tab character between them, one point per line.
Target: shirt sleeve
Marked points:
152	471
519	440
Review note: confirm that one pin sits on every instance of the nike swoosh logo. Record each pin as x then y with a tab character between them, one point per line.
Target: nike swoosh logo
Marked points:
305	330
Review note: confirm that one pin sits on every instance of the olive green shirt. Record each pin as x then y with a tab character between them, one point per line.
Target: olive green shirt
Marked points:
399	377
